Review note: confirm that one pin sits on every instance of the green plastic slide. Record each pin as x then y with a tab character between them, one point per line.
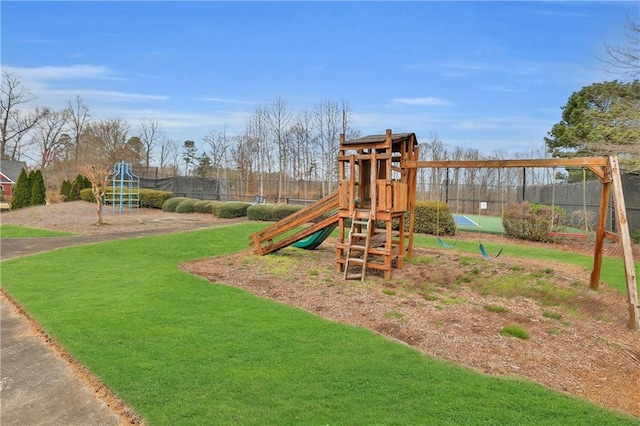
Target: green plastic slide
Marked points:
315	239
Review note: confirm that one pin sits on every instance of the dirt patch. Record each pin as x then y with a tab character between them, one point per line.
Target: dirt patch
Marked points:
444	305
80	217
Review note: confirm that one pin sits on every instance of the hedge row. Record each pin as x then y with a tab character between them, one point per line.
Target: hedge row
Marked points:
149	198
271	212
533	222
221	209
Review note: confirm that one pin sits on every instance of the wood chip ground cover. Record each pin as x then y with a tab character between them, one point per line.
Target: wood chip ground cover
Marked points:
454	306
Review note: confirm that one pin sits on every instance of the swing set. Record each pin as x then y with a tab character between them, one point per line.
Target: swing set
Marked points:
481	247
607	170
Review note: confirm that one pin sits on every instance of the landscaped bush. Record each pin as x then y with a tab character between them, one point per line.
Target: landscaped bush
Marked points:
171	204
65	189
261	212
149	198
532	222
232	209
203	206
428	217
21	192
433	217
635	236
281	211
153	198
38	189
187	206
81	182
215	207
86	195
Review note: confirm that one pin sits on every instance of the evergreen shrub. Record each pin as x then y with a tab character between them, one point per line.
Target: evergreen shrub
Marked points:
202	206
65	189
38	190
433	217
215	207
171	204
21	196
153	198
86	195
281	211
533	222
187	206
233	209
261	212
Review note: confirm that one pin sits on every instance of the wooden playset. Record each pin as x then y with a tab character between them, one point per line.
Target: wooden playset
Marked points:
377	192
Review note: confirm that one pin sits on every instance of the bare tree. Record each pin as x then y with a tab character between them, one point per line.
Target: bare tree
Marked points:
328	123
98	175
150	134
79	118
625	59
219	145
48	137
278	117
302	149
257	142
243	154
169	155
106	141
15	123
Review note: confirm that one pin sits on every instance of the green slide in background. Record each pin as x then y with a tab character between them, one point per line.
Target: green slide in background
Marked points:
315	239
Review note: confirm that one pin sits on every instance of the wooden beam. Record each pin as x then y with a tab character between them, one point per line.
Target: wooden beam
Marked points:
627	247
589	162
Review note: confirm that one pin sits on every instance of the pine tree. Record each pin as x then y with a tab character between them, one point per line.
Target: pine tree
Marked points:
76	186
65	189
22	192
38	190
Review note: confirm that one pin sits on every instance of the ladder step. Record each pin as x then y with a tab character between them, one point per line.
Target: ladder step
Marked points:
356	260
358	247
353	277
361	222
358	234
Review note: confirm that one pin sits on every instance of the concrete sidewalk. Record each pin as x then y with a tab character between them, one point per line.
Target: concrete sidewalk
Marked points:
36	386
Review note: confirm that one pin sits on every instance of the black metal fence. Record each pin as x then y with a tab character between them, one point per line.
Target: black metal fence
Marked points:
581	200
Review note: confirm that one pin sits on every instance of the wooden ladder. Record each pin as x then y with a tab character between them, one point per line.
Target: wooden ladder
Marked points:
363	227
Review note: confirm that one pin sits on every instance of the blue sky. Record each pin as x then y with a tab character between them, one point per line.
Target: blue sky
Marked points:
485	75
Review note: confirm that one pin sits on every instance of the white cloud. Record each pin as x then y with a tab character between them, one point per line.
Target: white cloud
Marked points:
426	101
50	73
106	95
228	101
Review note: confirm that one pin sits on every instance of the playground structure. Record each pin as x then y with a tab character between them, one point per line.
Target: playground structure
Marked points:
125	189
373	187
377	183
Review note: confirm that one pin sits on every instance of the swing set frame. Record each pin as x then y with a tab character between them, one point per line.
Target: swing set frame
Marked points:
608	171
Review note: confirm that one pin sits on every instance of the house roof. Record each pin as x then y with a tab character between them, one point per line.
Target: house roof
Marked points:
11	169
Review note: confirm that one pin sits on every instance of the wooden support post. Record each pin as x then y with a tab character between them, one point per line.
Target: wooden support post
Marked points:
627	248
600	232
412	181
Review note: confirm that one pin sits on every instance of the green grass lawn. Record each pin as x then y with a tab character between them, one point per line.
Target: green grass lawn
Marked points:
15	231
180	350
